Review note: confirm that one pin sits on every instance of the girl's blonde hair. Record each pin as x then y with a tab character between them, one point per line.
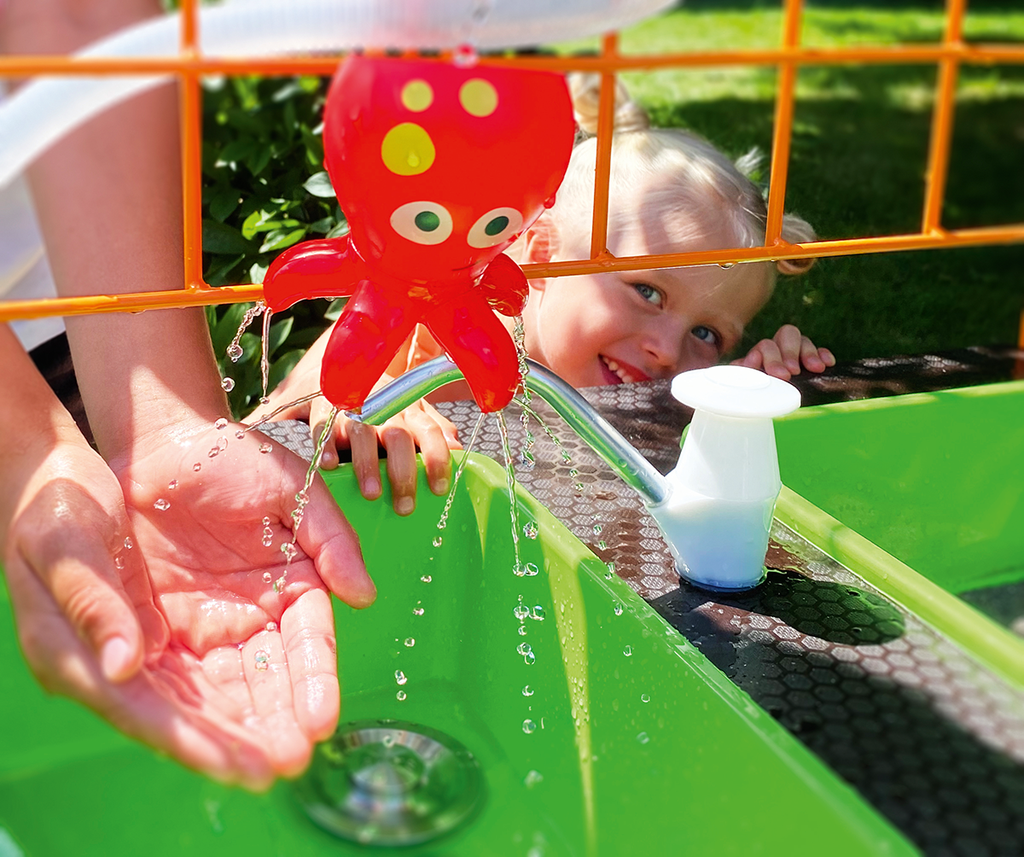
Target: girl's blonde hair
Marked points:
674	170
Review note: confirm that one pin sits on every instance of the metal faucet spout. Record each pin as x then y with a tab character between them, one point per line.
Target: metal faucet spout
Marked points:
580	415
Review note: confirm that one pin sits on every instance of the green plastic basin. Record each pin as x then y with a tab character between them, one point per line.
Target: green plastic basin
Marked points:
923	495
640	746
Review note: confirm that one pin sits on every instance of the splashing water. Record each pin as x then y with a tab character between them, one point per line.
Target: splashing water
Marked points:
265	354
443	521
289	549
526	456
510	479
234	350
279	410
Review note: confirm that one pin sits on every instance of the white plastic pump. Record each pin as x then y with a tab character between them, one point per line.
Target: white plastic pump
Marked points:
718	513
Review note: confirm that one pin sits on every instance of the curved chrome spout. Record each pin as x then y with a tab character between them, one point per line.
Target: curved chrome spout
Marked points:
591	427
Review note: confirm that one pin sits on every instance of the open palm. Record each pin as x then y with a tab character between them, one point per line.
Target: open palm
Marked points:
248	667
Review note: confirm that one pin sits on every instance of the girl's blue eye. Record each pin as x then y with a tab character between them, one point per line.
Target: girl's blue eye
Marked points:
705	334
648	293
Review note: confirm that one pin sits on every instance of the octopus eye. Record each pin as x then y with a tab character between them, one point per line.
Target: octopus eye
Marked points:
422	222
495	227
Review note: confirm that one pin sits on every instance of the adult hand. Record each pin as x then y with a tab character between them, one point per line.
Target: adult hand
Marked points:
786	354
247	652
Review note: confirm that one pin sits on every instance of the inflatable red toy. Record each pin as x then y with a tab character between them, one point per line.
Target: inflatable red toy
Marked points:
438	168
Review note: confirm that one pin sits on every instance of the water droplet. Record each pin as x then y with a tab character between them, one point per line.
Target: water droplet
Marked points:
532	779
266	447
529	727
227	384
128	543
289	550
268	540
214	452
264	400
521	612
161	505
531	530
172	484
727	265
465	56
597	529
618	610
388	741
527	691
267	577
220	424
266	521
538	613
643	737
118	561
400	696
271	627
530	657
197	466
417	611
222	443
628	651
573	472
279	584
438	541
400	677
426	578
522	630
524	648
644	697
602	544
239	434
262	660
410	642
528	570
235	352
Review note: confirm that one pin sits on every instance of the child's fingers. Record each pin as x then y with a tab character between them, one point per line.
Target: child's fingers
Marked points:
827	357
401	448
429	433
790	343
319	412
362	441
772	361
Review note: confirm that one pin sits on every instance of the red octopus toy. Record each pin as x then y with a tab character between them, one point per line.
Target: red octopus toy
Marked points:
438	168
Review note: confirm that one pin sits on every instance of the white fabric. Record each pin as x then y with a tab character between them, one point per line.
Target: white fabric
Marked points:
24	270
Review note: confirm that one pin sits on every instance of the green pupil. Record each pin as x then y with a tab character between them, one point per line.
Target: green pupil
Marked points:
427	221
496	226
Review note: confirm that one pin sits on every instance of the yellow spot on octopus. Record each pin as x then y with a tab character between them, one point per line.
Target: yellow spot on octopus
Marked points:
478	97
407	150
417	96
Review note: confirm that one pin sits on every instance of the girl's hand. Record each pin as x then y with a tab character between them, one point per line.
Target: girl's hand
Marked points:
786	354
419	426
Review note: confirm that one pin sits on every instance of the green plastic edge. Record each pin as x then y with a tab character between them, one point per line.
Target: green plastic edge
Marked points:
980	637
791	752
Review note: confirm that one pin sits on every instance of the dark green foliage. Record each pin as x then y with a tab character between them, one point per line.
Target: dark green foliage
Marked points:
264	189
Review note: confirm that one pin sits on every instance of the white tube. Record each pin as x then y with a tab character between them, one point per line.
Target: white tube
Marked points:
49	107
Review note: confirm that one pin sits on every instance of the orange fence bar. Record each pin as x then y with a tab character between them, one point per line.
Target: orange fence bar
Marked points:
190	66
603	161
942	122
191	150
785	95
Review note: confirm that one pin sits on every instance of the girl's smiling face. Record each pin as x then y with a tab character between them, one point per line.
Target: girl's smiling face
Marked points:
618	328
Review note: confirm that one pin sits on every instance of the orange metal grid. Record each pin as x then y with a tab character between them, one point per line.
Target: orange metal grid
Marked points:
190	65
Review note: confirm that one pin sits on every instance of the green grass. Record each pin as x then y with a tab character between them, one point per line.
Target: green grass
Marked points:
857	166
859	153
